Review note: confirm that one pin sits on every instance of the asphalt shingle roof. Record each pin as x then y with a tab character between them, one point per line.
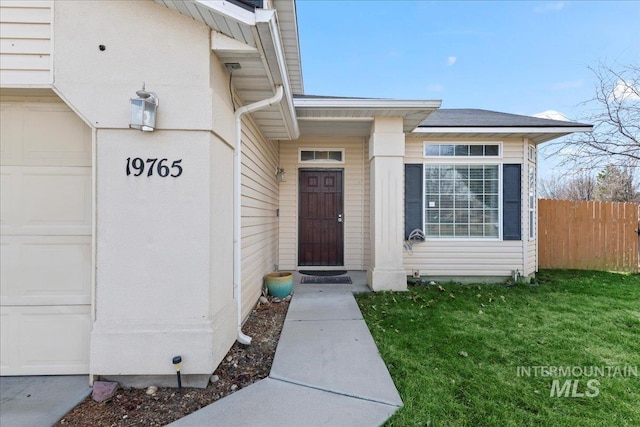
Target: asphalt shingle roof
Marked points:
468	117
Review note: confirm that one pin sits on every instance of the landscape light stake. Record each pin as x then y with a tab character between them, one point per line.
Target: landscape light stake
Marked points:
177	362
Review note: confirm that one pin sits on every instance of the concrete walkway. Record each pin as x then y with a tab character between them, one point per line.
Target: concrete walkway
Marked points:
326	370
40	400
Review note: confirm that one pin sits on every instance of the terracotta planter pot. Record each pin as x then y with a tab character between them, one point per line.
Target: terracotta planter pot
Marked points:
280	284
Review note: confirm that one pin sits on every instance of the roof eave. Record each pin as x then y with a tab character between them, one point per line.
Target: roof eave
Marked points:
229	10
253	36
288	24
514	129
267	28
369	104
535	135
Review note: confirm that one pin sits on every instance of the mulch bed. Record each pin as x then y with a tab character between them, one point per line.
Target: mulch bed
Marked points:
242	366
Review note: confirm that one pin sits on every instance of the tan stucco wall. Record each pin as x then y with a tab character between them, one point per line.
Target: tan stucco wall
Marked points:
144	42
163	245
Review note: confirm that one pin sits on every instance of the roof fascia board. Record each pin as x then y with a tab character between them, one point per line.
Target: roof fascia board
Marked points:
269	35
387	104
336	119
541	129
230	10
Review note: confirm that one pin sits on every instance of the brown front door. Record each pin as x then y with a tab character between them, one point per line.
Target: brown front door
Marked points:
320	218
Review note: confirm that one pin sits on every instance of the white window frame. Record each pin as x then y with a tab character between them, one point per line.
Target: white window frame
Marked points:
532	153
466	160
532	202
321	161
458	158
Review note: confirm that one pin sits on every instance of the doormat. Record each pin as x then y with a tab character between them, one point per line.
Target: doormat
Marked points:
326	280
323	272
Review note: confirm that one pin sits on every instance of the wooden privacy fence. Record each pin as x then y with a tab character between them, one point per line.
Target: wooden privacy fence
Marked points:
588	235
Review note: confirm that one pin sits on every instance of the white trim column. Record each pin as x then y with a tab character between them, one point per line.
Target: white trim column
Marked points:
386	154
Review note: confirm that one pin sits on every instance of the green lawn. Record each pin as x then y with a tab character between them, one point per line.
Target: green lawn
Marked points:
458	354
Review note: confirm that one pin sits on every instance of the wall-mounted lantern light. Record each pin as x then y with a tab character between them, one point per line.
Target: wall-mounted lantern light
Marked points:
143	110
281	175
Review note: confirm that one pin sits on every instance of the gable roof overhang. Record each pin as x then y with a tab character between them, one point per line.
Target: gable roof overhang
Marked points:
251	37
335	116
467	123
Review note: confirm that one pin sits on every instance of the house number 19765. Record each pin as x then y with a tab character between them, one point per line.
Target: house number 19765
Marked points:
137	166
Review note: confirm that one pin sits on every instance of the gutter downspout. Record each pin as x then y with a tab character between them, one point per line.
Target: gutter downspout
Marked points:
237	207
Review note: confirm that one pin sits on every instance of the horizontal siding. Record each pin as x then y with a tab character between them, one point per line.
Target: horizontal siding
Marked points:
355	180
464	258
259	244
30	46
25	62
25	43
26	12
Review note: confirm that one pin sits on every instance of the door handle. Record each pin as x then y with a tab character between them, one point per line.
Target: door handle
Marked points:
339	217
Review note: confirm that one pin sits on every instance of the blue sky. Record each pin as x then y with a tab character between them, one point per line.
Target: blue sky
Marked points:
522	57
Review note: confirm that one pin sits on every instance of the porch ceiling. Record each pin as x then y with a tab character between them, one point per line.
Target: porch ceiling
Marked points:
251	38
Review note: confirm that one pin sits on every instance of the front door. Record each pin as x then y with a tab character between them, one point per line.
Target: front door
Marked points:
320	218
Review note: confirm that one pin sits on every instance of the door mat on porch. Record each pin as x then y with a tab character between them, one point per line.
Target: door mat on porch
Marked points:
326	280
323	272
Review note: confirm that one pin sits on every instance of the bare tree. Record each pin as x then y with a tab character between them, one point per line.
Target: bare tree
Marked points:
616	184
614	113
580	187
611	184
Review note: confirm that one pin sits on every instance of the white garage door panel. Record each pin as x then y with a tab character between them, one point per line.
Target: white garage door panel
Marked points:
46	270
46	244
62	344
59	139
5	335
58	197
8	196
10	150
43	133
46	200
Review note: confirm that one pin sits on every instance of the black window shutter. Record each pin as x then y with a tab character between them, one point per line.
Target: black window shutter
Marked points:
511	202
413	195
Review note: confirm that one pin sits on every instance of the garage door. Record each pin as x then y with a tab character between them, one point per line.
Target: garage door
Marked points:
45	214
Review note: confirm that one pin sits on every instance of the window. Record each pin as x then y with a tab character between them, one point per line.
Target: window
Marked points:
532	202
461	150
457	201
322	156
462	201
532	153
